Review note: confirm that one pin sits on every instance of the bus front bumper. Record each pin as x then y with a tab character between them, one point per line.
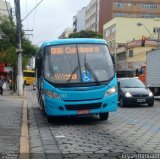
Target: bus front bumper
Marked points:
55	107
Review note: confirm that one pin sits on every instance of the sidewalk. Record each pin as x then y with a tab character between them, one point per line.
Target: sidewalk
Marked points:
11	107
8	92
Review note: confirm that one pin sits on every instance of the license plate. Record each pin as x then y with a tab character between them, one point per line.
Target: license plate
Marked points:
80	112
141	100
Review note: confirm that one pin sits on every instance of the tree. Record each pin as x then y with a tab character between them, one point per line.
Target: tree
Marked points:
86	34
8	44
7	33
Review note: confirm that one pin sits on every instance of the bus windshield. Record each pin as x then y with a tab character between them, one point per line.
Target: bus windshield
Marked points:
78	63
28	74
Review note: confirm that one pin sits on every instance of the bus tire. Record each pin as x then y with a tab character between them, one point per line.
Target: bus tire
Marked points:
103	116
49	119
42	106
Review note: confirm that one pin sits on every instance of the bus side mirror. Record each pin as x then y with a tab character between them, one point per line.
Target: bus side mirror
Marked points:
113	59
118	85
38	63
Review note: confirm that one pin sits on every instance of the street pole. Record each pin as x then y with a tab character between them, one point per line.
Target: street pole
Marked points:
18	48
159	38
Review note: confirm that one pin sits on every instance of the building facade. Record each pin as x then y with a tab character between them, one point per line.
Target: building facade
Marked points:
96	15
66	33
3	8
98	12
75	23
79	20
132	56
92	16
122	30
136	8
124	37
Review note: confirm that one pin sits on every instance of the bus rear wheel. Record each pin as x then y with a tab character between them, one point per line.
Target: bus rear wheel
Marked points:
103	116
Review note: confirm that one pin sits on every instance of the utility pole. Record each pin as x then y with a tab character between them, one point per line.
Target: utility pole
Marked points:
157	30
18	48
159	38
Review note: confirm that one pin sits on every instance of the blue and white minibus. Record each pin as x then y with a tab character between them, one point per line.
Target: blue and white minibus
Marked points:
76	77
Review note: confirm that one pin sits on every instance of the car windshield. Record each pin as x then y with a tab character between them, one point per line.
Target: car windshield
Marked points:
131	83
78	63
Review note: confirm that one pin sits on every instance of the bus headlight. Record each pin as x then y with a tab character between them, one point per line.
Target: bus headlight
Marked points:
52	94
111	91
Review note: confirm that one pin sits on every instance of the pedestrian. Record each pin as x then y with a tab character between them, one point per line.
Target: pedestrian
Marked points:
2	82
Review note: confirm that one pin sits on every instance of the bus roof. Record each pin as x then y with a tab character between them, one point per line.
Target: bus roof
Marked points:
74	41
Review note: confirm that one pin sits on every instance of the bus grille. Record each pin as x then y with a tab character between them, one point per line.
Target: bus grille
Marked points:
141	95
83	106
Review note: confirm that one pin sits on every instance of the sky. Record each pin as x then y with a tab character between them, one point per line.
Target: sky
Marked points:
50	18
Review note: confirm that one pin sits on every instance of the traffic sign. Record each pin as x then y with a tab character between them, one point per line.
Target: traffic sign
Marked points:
19	50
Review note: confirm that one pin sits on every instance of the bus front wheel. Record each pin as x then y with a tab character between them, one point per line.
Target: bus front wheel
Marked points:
49	119
103	116
42	105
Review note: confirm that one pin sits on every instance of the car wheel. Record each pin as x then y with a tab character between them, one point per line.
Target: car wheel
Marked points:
121	102
151	104
103	116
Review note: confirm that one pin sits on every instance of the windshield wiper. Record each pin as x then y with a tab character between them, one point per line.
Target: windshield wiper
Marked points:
90	70
73	72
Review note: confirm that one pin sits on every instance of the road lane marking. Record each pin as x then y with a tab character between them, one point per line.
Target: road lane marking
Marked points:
60	136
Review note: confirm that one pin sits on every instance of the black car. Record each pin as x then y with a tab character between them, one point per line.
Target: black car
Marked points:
133	91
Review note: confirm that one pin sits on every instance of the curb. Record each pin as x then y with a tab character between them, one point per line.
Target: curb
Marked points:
24	139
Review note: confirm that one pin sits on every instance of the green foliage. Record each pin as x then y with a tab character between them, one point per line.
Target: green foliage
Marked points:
28	48
7	33
86	34
25	60
8	44
9	56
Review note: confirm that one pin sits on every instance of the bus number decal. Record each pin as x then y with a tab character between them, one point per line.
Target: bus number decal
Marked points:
64	77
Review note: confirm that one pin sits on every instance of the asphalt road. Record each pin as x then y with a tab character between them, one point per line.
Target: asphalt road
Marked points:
133	129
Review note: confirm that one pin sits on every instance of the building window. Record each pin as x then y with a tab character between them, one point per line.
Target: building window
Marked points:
119	15
119	5
110	31
111	44
121	56
149	6
130	53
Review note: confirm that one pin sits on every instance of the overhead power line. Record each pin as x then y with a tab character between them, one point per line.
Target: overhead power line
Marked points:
32	10
34	16
8	13
27	13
